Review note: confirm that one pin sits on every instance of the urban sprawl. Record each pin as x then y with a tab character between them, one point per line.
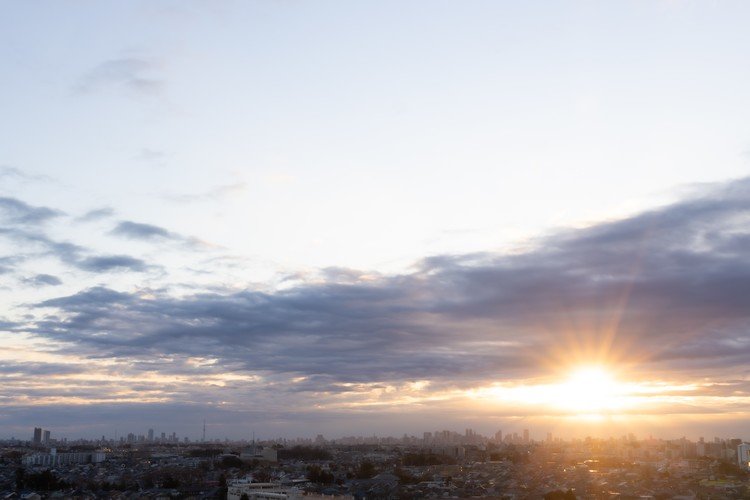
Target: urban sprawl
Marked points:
440	464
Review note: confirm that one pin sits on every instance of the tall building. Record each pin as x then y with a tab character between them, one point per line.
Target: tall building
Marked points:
37	435
150	435
45	437
743	456
499	436
526	436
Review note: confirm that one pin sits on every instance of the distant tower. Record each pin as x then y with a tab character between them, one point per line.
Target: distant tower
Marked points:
37	435
204	430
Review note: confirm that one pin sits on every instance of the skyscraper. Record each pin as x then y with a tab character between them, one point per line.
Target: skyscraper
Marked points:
37	435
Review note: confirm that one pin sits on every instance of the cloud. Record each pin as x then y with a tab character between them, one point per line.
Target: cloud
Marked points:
7	264
139	231
669	289
130	73
149	232
213	194
65	251
16	211
7	172
96	214
70	253
147	154
43	280
104	263
23	221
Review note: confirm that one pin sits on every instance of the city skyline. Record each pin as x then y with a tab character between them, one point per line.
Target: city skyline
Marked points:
42	438
329	217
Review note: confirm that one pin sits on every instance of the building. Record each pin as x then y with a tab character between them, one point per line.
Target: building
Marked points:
743	456
37	435
53	458
45	437
269	491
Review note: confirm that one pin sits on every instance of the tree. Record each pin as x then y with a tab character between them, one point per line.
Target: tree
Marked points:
231	461
366	470
319	476
560	495
20	473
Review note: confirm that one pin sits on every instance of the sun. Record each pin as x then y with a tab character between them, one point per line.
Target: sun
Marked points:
589	390
586	390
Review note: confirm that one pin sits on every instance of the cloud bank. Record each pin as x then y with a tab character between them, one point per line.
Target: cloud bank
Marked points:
665	292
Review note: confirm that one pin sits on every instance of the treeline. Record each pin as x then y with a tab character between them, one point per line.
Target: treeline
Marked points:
423	459
42	481
204	452
304	453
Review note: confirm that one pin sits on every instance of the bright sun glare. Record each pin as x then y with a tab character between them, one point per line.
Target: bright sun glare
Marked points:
589	390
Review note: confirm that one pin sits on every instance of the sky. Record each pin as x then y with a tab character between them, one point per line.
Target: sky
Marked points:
292	217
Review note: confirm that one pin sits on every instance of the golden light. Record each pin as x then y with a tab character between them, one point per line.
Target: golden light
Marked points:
590	389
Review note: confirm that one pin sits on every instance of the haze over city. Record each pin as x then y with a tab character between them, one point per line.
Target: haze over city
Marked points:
354	218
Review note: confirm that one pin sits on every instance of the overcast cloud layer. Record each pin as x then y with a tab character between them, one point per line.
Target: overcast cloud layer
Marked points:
664	294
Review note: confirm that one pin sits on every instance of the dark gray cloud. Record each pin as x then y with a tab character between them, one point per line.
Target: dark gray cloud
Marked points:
149	232
38	242
668	289
35	369
103	263
6	325
43	280
139	231
69	253
16	211
133	74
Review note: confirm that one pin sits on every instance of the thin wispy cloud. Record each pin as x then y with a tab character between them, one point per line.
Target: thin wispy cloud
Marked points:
132	74
214	194
150	155
97	214
12	173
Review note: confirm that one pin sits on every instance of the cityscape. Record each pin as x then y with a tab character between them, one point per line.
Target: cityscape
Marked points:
437	464
374	249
